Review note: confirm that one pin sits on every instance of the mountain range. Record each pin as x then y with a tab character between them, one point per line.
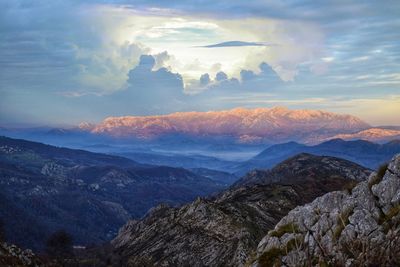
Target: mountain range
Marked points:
261	125
206	139
372	134
368	154
46	188
180	217
245	126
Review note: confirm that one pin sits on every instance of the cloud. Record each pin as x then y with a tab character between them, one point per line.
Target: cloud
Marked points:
146	64
63	46
81	58
101	42
221	76
103	70
205	79
233	44
161	59
149	90
163	81
246	75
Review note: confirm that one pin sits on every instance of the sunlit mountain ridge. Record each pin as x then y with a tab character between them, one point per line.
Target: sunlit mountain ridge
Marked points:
260	125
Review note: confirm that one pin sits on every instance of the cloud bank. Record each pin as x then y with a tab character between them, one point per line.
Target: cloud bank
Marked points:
90	59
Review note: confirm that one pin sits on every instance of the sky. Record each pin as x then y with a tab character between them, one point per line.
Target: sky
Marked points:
63	62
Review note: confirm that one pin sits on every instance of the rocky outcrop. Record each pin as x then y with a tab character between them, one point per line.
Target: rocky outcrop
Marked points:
11	255
358	227
224	230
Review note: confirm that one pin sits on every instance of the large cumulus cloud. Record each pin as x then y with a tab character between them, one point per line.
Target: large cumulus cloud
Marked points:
149	90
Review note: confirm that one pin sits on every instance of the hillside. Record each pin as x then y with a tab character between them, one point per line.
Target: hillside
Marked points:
360	227
368	154
45	188
223	230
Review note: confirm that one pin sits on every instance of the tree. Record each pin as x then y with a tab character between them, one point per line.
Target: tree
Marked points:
2	234
59	245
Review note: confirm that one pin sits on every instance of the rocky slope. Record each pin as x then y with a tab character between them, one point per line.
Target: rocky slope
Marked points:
360	227
223	230
45	188
269	125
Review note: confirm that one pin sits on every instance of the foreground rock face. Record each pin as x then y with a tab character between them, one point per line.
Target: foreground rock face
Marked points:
357	228
224	230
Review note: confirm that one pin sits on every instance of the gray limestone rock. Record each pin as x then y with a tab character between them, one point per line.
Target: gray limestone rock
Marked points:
357	228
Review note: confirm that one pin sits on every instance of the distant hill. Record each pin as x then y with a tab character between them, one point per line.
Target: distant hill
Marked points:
368	154
373	134
45	188
306	166
218	176
177	160
225	229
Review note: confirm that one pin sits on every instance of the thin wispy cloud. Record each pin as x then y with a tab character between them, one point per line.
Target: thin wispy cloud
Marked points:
234	44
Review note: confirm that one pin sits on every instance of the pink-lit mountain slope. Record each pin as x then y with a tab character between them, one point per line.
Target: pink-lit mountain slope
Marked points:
373	134
245	125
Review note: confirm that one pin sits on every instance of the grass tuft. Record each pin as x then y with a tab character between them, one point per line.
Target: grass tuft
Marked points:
287	228
342	221
270	258
378	176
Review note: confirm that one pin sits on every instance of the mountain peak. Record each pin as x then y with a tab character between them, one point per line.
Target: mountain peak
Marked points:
87	126
304	164
279	108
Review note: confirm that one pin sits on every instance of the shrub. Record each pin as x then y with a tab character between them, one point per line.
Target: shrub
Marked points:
387	220
348	187
59	245
294	243
378	176
342	221
382	170
270	257
2	231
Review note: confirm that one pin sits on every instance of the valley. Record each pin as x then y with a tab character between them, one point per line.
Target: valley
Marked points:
156	208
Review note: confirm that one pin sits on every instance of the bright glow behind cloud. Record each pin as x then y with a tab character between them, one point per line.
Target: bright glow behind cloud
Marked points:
81	59
182	37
